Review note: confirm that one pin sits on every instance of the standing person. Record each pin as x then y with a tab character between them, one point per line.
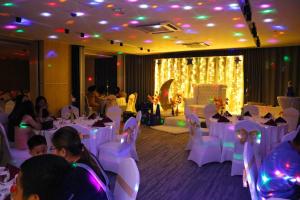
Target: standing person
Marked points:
290	90
24	125
279	173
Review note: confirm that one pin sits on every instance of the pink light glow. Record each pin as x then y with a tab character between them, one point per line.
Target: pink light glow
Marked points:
231	127
218	8
239	25
265	6
272	41
148	41
186	26
132	0
133	22
175	6
10	27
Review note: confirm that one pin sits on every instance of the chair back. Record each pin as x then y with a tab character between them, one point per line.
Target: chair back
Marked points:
128	180
209	111
114	113
138	118
121	101
252	109
131	103
291	135
88	108
66	111
5	152
195	130
131	124
291	115
251	169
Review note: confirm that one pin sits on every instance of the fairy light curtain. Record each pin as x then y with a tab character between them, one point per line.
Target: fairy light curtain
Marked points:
226	70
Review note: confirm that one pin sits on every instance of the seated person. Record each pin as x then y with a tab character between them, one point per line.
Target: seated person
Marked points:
93	98
279	173
67	144
24	125
69	112
37	145
41	109
290	90
41	178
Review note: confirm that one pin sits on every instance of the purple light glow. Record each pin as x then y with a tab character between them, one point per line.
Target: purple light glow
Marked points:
10	27
278	28
239	25
265	6
131	1
191	31
51	54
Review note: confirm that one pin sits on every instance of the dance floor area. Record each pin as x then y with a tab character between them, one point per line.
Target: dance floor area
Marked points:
166	174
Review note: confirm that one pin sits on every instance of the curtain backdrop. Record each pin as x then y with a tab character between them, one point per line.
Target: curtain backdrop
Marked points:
266	71
186	72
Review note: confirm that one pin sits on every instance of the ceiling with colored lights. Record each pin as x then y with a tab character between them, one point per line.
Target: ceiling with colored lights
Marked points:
111	25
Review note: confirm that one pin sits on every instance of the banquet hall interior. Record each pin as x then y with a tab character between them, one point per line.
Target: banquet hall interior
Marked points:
150	99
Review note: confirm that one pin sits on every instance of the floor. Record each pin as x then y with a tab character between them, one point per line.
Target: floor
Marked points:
166	174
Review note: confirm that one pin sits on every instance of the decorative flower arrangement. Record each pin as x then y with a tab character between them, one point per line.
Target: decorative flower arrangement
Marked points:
154	99
220	104
175	101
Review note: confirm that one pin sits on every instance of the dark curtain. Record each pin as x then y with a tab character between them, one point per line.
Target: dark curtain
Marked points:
266	71
75	70
106	74
139	76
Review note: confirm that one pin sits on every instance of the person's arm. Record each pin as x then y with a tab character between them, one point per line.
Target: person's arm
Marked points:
34	124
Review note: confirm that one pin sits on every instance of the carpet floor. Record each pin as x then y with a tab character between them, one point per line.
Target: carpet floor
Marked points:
166	174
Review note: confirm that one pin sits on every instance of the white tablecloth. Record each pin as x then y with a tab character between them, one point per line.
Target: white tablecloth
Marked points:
271	135
92	136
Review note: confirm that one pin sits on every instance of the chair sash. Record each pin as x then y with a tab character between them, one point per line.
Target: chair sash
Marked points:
251	136
125	186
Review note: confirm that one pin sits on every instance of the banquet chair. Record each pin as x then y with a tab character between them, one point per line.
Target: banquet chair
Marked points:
291	135
205	149
66	111
291	115
112	153
128	180
252	109
209	111
88	109
131	103
138	120
237	159
114	113
187	114
9	154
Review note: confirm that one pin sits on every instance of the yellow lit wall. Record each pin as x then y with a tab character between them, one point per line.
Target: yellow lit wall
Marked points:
226	70
56	80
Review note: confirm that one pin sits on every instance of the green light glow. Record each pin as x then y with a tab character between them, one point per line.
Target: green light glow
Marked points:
8	4
141	18
264	178
238	34
228	145
74	164
268	11
120	52
166	37
237	156
286	59
202	17
23	125
49	65
20	31
97	35
181	123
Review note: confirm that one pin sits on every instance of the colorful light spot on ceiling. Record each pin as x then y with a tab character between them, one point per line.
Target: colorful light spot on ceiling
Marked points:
268	11
154	6
52	4
228	145
46	14
70	22
99	1
166	37
218	8
125	25
268	20
90	78
286	58
186	26
110	6
132	1
242	40
199	3
239	25
278	28
202	17
148	41
120	52
187	7
4	14
238	34
10	27
181	123
210	25
143	6
93	3
236	18
96	35
237	156
20	31
60	30
103	22
264	178
53	37
134	22
234	6
79	14
178	42
141	18
8	4
265	6
191	31
272	41
175	6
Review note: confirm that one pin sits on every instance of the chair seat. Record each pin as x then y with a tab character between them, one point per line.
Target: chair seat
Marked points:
115	148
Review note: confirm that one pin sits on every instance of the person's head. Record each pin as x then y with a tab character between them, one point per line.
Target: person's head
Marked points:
40	102
67	143
296	141
37	145
41	178
117	90
290	83
92	88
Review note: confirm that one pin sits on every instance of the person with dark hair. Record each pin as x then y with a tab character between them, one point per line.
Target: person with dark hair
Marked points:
13	115
41	109
24	124
41	178
37	145
290	90
93	98
279	174
67	144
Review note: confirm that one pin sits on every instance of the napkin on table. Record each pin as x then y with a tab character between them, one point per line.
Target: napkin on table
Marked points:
280	120
216	116
223	119
271	122
247	114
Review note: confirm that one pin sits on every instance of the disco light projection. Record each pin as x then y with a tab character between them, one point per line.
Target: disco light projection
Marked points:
51	54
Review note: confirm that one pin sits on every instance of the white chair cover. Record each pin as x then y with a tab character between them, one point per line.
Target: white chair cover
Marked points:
205	149
128	180
291	115
114	113
237	160
209	111
15	156
112	153
138	120
251	169
291	135
187	114
131	103
66	111
252	109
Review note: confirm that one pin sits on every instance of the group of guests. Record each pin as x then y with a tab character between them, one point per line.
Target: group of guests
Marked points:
66	173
